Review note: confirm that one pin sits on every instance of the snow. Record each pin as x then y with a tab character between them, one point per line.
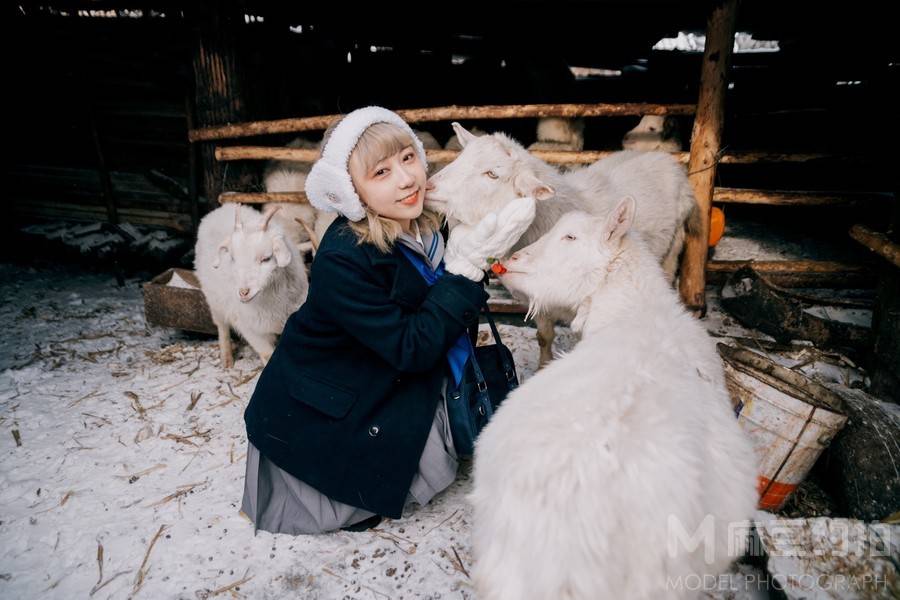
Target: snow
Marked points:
129	431
178	281
824	558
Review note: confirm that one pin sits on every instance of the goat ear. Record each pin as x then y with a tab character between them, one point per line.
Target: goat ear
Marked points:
281	251
462	134
224	246
527	183
619	220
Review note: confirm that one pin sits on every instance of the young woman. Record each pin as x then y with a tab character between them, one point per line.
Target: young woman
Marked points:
348	421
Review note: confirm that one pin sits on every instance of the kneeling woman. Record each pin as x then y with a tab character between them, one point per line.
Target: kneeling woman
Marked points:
348	421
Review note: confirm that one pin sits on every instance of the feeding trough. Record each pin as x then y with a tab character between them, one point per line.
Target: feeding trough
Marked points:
174	299
790	418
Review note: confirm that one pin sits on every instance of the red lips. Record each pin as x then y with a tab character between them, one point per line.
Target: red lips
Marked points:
411	199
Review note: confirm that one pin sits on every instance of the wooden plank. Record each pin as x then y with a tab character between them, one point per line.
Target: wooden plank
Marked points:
445	113
705	144
80	212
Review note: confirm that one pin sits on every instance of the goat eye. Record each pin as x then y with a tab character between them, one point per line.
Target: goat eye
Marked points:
653	129
491	174
266	258
570	237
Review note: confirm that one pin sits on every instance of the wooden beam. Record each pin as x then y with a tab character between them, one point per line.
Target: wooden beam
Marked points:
229	153
444	113
722	195
796	273
878	243
705	145
263	197
727	195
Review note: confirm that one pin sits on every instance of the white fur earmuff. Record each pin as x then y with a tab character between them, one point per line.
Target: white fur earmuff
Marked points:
328	185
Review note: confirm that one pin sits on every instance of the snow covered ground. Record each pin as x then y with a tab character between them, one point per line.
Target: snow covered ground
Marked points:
123	460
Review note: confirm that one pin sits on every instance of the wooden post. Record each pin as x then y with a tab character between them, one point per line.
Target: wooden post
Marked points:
218	90
193	163
105	182
885	362
705	144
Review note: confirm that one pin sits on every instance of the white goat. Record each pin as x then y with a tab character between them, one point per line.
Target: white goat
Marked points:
429	142
252	278
494	170
297	219
654	132
592	477
555	133
454	143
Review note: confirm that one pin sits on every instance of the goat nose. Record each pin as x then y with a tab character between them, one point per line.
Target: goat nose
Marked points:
244	292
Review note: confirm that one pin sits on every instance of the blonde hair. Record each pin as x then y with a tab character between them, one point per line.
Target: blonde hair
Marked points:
378	142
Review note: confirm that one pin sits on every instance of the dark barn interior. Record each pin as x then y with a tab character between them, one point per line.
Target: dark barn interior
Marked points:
122	116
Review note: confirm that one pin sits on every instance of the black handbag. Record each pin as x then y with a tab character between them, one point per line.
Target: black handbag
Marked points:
485	383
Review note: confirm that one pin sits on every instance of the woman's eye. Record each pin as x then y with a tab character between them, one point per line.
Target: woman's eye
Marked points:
491	174
380	172
570	237
409	157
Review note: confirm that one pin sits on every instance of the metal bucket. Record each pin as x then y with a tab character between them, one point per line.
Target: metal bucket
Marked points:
790	418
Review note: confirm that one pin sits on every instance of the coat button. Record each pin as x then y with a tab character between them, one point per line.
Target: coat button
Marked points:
373	430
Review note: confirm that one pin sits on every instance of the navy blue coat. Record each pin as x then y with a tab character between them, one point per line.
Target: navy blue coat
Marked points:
346	401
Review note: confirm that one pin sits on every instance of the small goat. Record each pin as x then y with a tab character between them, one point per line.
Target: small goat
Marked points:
494	170
300	221
598	476
252	277
654	132
555	133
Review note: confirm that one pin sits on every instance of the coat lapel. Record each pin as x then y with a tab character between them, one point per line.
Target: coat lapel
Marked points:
409	288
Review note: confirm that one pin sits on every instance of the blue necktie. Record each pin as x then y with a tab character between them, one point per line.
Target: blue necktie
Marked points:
461	350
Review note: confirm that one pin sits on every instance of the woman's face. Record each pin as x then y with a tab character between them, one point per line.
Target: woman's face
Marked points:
395	187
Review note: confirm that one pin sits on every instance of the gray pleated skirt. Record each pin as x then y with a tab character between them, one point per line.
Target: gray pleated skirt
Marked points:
278	502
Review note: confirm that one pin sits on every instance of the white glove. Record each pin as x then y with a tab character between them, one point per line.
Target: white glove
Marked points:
469	247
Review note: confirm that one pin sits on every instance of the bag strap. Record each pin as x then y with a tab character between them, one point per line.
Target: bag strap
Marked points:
479	376
508	368
490	319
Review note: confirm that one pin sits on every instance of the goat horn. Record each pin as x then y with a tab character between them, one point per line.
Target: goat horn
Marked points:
268	217
312	234
238	226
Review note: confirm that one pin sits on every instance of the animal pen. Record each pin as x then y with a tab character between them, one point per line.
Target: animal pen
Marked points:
135	120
